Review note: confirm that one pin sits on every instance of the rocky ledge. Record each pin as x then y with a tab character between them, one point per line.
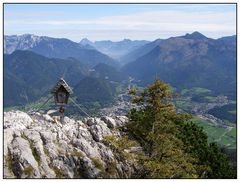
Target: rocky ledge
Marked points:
39	146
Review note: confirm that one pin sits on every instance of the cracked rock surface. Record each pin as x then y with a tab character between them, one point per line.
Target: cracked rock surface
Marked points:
38	146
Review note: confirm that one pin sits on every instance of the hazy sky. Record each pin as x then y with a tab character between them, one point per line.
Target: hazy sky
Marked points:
118	21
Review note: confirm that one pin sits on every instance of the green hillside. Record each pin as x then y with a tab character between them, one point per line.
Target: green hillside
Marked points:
93	89
29	76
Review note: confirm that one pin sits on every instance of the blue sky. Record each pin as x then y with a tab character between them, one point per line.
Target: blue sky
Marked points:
118	21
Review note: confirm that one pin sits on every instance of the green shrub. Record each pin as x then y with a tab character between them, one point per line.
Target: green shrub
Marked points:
120	146
58	172
28	170
76	154
111	168
98	164
46	152
9	162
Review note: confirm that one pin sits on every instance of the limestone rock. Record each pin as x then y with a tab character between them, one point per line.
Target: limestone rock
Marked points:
90	170
8	137
105	153
22	158
48	118
37	146
86	147
93	121
47	137
121	120
99	131
109	121
85	133
17	120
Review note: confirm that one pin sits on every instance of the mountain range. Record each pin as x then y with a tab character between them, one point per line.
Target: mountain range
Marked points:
56	48
29	76
191	60
188	61
133	55
116	49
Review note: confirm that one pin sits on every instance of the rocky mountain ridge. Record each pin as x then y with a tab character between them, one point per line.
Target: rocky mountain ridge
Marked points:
56	48
24	42
27	41
39	146
189	61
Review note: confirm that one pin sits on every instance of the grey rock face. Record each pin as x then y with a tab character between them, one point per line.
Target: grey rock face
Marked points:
8	137
90	121
17	120
98	131
121	120
23	159
38	146
109	121
86	147
105	153
90	171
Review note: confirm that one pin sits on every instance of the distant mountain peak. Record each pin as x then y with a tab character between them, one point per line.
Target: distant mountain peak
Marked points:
126	40
85	41
195	35
28	35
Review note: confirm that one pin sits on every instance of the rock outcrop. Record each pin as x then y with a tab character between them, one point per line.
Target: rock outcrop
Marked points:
39	146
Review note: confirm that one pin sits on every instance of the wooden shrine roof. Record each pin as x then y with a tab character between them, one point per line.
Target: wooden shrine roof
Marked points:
63	83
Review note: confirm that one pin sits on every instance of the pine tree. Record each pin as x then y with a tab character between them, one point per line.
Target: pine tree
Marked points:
174	147
212	162
154	127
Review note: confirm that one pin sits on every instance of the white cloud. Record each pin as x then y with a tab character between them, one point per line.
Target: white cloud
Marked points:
218	23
